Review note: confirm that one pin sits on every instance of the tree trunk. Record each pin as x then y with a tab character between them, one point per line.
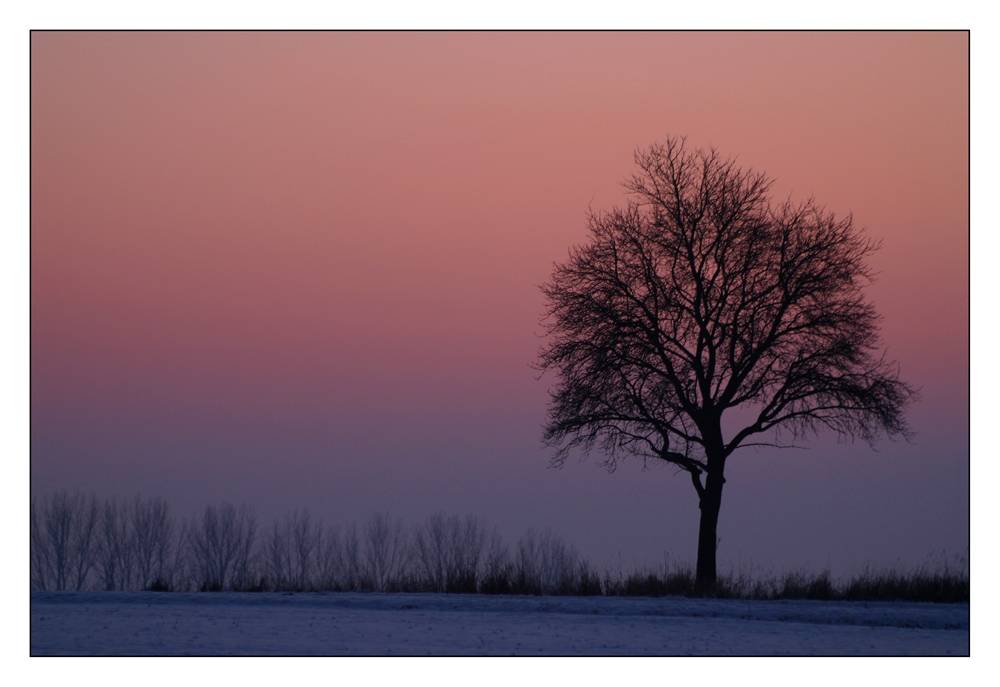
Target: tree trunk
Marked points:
709	503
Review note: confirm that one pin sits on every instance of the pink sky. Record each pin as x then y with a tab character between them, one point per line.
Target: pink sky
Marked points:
301	270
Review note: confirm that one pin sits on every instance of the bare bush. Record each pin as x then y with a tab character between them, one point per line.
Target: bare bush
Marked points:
497	556
385	550
41	554
305	541
545	565
152	530
330	565
450	552
431	549
352	570
278	557
116	552
291	551
175	573
498	571
468	541
221	547
63	541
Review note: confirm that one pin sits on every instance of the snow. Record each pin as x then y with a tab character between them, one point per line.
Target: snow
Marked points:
148	623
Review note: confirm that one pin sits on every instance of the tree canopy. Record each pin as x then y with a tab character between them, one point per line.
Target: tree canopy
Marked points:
700	296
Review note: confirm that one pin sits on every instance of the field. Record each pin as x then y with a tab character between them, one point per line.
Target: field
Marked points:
373	624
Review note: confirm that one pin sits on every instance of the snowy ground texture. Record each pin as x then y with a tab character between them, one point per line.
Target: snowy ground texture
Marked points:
154	624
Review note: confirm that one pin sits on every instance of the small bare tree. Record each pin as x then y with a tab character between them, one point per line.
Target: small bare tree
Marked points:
468	541
545	563
497	564
116	554
152	529
305	542
85	541
385	550
431	550
176	573
449	551
700	297
330	565
278	556
221	547
42	564
63	541
352	570
292	549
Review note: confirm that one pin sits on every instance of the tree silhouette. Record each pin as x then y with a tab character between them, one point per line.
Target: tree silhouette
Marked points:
703	296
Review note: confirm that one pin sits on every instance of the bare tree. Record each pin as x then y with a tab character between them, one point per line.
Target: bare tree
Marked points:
177	565
468	542
245	562
42	565
385	550
85	541
305	542
699	297
449	551
330	565
291	550
352	559
221	547
431	549
116	553
63	541
152	530
544	562
497	563
277	555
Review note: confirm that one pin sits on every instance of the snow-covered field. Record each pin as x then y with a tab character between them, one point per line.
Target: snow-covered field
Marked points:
147	623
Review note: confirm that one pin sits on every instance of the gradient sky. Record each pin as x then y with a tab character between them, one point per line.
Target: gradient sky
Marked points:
301	270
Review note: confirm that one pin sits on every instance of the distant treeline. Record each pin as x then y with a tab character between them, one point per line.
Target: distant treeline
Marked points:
83	543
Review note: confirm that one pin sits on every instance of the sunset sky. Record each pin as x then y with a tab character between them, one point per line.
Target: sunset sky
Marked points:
302	270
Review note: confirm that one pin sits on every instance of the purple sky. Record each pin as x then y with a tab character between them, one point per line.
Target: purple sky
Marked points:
301	271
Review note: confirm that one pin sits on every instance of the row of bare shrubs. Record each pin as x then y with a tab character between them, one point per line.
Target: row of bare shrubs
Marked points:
82	543
938	581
